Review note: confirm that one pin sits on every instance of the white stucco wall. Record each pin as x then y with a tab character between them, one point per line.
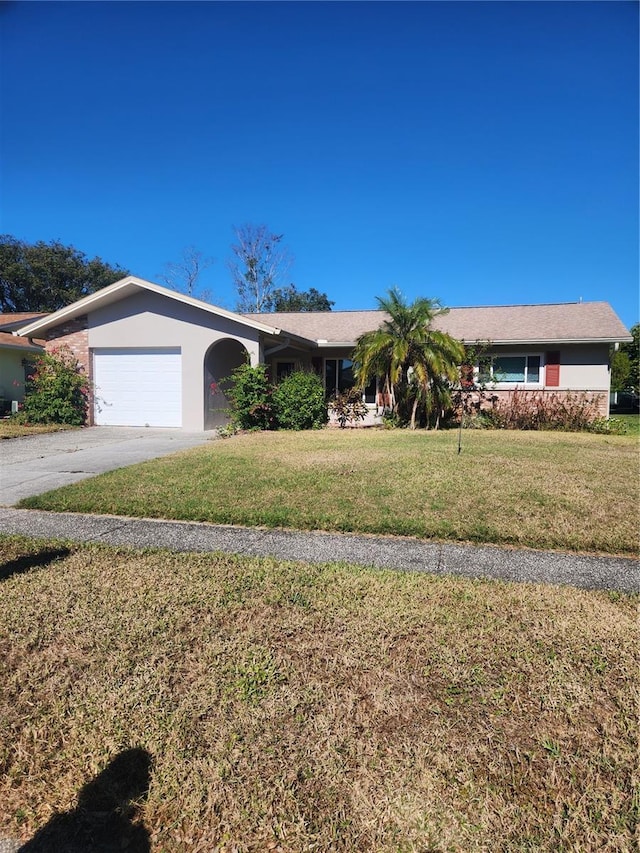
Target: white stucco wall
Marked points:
584	367
151	320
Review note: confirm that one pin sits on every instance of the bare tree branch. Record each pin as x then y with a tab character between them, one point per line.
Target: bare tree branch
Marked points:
260	261
183	275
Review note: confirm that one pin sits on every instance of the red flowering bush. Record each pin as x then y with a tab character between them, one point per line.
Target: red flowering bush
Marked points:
56	391
250	398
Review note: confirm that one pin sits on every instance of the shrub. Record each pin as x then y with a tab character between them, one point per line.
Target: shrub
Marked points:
391	420
300	401
250	398
349	407
529	410
608	426
56	391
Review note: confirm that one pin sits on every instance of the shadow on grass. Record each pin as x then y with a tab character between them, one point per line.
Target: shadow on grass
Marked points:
31	561
104	819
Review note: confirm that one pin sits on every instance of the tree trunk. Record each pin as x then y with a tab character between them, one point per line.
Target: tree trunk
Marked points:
413	413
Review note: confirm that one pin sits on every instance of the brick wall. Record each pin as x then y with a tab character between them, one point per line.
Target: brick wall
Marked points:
75	336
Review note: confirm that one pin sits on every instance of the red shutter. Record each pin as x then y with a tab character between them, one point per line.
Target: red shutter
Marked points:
466	376
552	377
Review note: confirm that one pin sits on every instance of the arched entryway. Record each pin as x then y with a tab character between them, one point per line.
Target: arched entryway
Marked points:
220	361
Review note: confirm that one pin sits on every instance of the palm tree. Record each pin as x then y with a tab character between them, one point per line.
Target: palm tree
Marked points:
414	361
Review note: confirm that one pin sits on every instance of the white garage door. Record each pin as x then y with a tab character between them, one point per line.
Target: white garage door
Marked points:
138	387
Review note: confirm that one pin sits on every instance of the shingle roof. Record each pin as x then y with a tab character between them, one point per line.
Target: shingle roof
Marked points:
14	321
566	321
557	323
332	326
9	341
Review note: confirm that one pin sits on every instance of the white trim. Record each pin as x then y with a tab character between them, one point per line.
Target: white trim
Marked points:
549	341
18	347
510	385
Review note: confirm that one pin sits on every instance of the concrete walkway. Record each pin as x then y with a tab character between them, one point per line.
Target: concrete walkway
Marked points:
404	554
38	463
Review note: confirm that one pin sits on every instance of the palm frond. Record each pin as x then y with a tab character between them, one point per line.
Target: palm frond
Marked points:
406	345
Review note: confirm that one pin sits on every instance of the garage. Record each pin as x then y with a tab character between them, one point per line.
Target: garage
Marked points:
138	387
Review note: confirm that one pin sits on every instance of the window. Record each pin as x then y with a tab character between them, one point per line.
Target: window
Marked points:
510	369
338	377
370	392
283	369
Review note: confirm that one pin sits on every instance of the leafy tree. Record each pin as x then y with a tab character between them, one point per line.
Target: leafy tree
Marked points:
290	299
47	276
632	350
259	261
57	391
415	361
620	370
183	275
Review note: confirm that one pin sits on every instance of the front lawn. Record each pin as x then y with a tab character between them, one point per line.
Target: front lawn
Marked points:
13	428
572	491
631	422
294	707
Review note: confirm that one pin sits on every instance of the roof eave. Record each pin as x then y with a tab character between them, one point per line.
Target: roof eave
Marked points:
30	347
550	341
295	340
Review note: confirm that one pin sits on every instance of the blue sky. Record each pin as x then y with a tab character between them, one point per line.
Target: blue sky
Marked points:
480	153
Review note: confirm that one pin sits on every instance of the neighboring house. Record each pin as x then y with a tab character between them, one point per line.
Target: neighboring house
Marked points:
156	357
15	354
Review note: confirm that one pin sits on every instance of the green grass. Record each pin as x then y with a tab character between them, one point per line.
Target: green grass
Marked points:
294	707
543	490
631	422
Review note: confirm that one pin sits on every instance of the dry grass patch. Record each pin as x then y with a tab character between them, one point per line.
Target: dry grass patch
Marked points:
542	490
324	708
10	428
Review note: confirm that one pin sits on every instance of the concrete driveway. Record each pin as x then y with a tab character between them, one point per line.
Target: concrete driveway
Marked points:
37	463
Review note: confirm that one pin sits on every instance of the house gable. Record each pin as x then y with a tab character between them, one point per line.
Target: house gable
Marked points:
126	288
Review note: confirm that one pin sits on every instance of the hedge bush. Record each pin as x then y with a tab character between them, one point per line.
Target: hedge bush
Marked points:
300	401
530	410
